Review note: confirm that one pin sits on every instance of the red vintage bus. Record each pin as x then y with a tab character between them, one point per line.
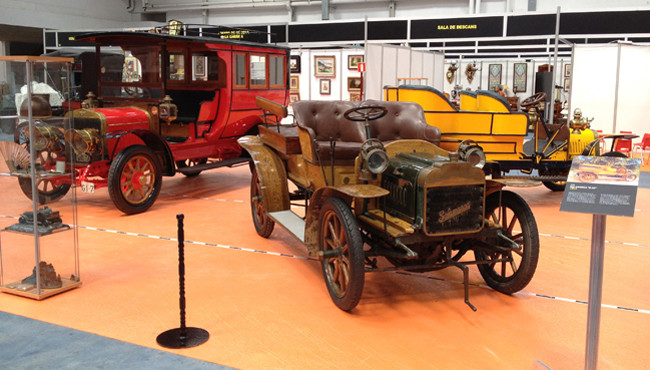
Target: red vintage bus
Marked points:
167	103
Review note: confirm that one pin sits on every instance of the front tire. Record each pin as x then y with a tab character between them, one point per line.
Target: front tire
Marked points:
343	258
518	224
134	179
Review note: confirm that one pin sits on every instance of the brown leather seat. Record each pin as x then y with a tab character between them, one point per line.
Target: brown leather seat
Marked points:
325	122
403	120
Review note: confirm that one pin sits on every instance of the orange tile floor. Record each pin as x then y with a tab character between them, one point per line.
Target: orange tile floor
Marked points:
265	303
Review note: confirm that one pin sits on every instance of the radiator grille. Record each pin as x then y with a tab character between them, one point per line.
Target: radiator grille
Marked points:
454	209
577	147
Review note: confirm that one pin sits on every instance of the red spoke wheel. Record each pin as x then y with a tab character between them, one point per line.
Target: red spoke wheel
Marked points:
341	247
509	271
49	190
134	179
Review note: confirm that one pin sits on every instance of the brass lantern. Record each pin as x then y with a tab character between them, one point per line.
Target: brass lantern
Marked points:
83	140
45	137
168	110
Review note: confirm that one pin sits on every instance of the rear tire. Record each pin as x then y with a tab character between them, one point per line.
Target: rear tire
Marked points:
556	185
615	154
263	223
47	191
191	163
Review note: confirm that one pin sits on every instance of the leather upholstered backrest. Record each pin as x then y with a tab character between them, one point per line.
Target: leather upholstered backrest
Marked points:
404	120
326	120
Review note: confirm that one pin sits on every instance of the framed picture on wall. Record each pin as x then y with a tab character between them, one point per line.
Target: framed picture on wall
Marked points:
354	60
520	76
494	77
568	70
293	97
355	97
567	84
325	86
294	82
325	66
294	64
354	83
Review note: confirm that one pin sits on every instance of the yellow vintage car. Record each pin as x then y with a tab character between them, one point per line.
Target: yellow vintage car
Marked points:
497	138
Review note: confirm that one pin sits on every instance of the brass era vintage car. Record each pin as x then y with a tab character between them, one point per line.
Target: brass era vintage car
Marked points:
498	136
160	103
379	194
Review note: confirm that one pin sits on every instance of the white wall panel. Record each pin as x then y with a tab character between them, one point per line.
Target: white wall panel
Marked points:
634	90
593	84
417	63
438	71
403	64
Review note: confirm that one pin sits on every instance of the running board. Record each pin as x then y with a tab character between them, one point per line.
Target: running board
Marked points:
290	221
211	165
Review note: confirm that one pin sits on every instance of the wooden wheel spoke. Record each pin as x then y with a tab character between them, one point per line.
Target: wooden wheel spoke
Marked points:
513	264
512	224
332	232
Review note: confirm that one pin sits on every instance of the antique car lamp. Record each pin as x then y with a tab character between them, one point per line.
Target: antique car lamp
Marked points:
168	110
45	137
83	140
472	153
374	159
90	101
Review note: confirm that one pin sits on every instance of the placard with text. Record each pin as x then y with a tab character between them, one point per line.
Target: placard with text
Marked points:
602	185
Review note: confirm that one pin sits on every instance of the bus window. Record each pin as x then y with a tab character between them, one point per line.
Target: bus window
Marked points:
176	66
240	70
139	76
277	76
207	66
258	71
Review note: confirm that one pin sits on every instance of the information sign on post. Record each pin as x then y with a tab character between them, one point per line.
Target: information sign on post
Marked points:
601	186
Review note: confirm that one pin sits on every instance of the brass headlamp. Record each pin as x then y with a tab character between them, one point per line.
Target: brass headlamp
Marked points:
83	140
374	159
45	137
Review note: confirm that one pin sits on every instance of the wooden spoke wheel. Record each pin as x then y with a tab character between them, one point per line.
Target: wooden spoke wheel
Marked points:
263	223
134	179
341	247
504	268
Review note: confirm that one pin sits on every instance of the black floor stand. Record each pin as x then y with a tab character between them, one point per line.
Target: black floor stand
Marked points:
182	337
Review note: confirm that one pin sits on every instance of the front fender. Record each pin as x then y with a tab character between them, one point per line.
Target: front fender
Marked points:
271	173
155	143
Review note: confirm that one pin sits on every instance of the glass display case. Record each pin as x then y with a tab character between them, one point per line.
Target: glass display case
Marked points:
39	254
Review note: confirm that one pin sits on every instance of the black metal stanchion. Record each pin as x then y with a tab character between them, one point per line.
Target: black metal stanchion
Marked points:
182	337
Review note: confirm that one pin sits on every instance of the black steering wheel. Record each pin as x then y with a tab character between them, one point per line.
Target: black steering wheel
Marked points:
533	99
137	92
365	113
